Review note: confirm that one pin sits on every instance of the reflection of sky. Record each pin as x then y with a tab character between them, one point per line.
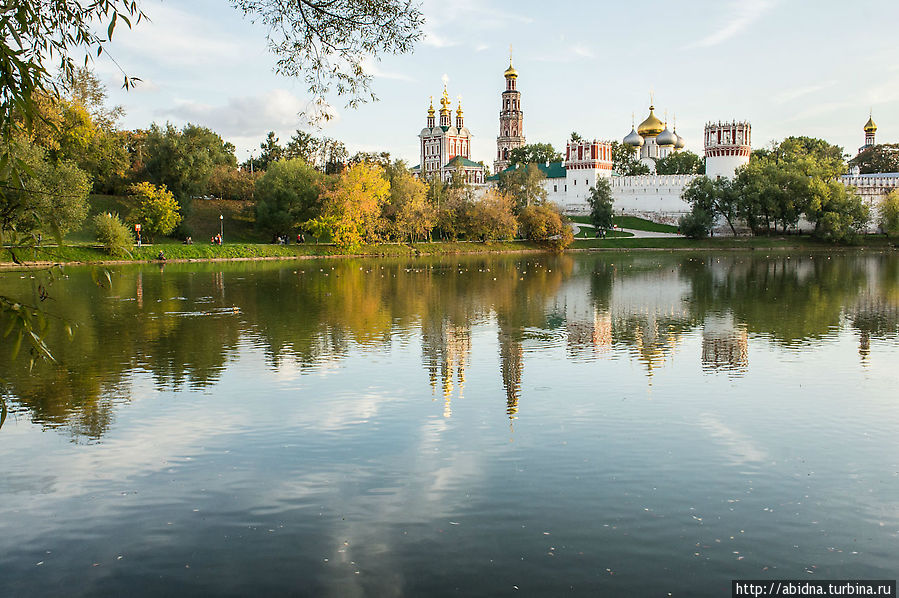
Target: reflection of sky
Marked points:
351	466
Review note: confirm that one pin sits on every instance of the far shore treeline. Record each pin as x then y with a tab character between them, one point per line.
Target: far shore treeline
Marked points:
309	189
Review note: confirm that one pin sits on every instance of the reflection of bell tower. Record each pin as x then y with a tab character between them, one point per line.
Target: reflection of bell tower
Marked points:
511	365
445	349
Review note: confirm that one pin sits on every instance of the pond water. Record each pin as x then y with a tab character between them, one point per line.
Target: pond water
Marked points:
615	424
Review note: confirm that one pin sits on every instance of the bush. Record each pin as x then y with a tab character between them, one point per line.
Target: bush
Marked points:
544	224
113	234
697	224
157	209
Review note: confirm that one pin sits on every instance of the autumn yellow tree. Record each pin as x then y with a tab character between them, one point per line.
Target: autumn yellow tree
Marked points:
351	208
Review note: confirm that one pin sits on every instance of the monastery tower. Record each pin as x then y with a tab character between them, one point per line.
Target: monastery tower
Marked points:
511	120
727	147
870	130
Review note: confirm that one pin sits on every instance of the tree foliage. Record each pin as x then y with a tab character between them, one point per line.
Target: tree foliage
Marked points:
45	196
534	153
183	160
35	34
697	224
113	234
286	196
491	218
682	162
545	224
601	204
407	213
351	208
156	208
523	185
326	42
624	162
883	157
888	210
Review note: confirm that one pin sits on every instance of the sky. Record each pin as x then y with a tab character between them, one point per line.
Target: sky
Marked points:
789	67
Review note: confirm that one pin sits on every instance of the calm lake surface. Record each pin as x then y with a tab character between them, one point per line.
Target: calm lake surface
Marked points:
593	424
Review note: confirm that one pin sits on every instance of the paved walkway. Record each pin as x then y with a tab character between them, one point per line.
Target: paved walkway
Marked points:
643	234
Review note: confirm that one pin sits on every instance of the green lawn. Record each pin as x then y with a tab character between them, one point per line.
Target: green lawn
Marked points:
201	222
752	243
631	222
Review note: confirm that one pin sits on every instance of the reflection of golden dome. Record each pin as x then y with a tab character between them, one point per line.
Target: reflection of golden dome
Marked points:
870	127
652	126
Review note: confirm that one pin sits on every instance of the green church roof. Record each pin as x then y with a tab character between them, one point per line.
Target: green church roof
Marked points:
553	170
465	162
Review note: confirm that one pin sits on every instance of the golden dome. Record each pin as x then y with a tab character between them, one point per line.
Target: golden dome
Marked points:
459	110
510	72
870	127
444	102
652	126
431	109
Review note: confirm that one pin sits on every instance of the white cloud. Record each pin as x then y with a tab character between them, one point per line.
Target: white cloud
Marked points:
581	50
793	94
373	68
177	38
741	15
247	116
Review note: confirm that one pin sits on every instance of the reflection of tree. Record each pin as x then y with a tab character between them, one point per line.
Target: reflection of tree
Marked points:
182	324
789	298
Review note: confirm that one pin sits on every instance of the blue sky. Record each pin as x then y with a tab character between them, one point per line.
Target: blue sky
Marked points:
790	67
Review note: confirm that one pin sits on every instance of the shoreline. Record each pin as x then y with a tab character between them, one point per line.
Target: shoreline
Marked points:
288	253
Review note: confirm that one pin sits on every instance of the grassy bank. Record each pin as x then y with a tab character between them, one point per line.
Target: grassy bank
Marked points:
728	243
631	222
230	251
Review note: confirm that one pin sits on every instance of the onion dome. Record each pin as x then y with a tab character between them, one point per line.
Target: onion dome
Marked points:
510	72
459	110
633	139
444	102
680	143
666	138
652	126
431	109
870	127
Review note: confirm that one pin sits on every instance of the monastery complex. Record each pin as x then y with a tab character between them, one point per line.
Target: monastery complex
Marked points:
446	146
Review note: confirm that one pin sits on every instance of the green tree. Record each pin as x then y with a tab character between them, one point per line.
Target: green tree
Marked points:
697	224
287	195
156	209
491	218
45	197
407	213
714	198
381	159
601	204
183	160
883	157
838	212
523	185
113	234
888	209
228	182
351	208
534	153
545	224
624	162
271	151
682	162
302	145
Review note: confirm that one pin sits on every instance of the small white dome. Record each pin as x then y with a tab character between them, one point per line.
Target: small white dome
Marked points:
633	139
666	138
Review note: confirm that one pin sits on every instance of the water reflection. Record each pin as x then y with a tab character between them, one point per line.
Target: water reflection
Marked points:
184	324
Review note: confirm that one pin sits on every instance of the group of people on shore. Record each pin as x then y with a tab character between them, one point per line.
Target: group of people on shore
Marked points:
285	240
217	239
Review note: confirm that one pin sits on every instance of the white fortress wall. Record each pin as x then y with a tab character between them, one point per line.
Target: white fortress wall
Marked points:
655	197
